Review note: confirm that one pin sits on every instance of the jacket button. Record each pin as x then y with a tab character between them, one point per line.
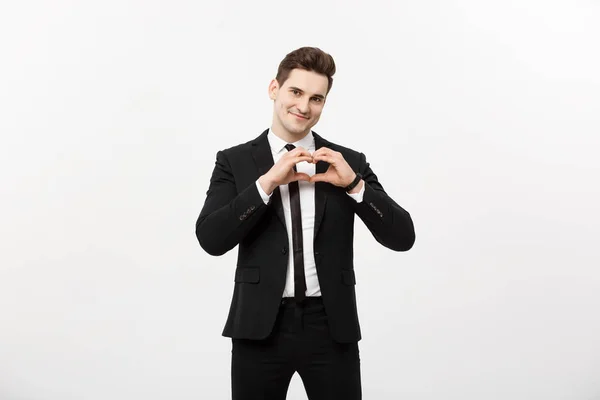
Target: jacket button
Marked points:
284	250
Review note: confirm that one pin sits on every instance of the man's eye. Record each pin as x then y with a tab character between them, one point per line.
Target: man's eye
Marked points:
318	100
295	92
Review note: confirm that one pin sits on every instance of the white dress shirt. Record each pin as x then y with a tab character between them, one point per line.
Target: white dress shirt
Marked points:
307	206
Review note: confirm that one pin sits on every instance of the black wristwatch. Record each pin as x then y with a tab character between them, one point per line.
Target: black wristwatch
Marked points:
354	182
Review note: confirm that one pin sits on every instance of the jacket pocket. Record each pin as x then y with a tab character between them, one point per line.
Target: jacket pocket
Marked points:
348	277
247	275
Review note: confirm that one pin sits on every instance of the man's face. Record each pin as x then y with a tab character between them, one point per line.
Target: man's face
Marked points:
298	103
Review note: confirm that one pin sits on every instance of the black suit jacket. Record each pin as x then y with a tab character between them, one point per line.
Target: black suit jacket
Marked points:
235	214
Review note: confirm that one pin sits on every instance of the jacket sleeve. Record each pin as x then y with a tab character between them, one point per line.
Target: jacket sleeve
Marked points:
227	216
389	223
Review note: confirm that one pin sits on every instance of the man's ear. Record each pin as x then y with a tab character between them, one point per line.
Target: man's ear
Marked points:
273	89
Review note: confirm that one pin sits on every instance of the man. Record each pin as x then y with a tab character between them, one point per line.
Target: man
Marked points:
288	200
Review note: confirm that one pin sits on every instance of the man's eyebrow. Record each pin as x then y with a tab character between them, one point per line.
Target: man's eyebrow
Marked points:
320	96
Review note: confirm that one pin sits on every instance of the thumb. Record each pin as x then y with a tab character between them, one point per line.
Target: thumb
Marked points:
318	178
301	176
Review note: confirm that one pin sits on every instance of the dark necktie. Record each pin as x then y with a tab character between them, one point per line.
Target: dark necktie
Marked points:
298	251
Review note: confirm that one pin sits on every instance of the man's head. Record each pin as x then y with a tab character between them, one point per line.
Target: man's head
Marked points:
299	90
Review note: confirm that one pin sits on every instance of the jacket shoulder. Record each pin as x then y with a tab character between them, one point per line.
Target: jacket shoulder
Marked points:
245	147
344	149
237	149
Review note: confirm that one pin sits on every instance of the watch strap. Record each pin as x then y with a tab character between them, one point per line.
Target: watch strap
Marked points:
354	182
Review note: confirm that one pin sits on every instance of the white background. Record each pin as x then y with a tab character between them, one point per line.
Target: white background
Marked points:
480	118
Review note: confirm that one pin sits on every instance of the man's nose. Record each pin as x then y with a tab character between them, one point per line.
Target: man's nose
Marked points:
303	106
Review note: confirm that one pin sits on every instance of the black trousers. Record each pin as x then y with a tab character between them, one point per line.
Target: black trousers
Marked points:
300	342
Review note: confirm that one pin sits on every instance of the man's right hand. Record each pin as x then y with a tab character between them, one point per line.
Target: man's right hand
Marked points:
283	172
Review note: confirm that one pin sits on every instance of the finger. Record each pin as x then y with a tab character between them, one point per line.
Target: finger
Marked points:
298	157
325	151
301	176
318	178
299	151
322	149
326	158
296	160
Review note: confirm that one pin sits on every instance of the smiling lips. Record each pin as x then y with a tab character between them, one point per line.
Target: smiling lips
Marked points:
298	116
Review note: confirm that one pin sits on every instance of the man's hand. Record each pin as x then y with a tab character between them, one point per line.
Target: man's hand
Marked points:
283	172
339	172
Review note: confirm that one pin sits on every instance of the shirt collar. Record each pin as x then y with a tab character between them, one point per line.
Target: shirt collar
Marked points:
277	144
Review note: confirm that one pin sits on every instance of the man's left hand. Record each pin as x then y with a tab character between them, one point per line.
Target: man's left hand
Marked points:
339	172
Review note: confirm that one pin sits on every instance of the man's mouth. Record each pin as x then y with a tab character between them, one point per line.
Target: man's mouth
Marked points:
298	116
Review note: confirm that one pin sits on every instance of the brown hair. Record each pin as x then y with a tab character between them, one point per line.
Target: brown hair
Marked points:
309	59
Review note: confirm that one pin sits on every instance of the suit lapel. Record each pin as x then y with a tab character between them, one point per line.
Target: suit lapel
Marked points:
320	187
261	152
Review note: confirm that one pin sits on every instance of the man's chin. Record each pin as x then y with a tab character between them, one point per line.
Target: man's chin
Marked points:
296	130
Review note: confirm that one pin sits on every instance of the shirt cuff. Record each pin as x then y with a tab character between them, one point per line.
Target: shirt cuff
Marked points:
265	197
358	197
